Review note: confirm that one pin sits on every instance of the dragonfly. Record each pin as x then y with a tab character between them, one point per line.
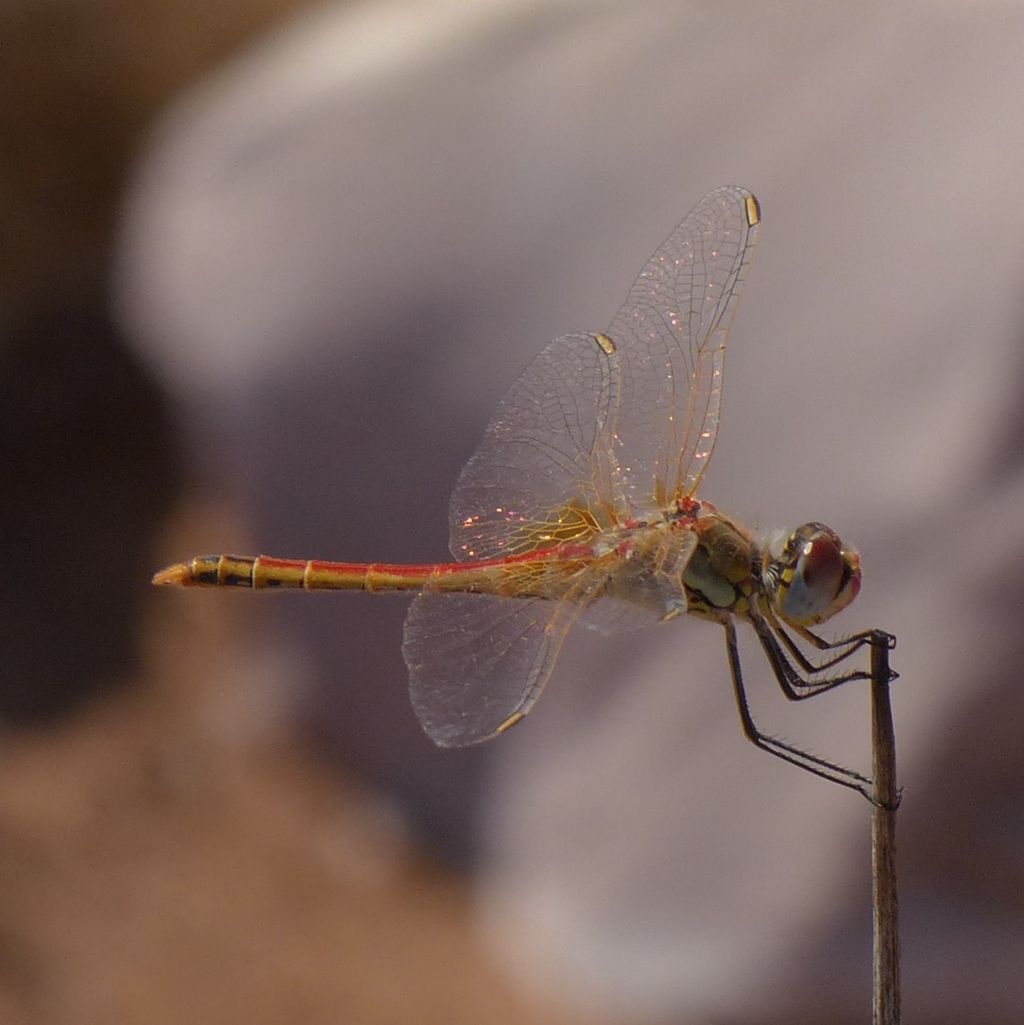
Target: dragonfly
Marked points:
580	505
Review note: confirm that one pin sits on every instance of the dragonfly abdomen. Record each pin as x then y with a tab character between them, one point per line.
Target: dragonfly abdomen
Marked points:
514	576
264	571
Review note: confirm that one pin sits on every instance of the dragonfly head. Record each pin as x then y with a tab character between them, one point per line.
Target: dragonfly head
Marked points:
814	576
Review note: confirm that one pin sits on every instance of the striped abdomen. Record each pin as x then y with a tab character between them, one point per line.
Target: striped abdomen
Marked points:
536	573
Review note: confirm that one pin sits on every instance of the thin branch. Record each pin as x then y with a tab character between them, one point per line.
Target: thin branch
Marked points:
885	907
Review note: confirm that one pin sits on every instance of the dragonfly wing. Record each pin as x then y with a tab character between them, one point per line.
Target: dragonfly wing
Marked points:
600	431
671	334
540	475
611	616
647	588
478	662
603	428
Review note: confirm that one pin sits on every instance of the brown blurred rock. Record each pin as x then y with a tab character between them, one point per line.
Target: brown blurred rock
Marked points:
80	83
167	858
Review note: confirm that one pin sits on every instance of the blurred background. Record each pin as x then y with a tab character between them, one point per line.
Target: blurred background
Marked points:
267	269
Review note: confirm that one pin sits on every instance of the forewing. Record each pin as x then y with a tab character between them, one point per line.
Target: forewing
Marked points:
671	334
541	474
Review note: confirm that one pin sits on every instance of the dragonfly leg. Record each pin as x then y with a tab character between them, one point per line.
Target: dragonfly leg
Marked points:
793	685
821	644
843	649
862	637
802	759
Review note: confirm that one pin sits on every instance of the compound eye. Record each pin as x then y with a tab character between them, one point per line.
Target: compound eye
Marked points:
825	577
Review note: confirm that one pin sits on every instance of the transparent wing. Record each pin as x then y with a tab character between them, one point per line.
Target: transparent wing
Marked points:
599	430
477	662
541	473
602	428
643	587
671	334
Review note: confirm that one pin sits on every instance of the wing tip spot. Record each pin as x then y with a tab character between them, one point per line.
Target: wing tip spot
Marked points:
605	344
753	210
513	720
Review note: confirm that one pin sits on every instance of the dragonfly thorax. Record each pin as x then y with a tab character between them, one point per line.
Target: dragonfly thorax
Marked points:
724	569
810	575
